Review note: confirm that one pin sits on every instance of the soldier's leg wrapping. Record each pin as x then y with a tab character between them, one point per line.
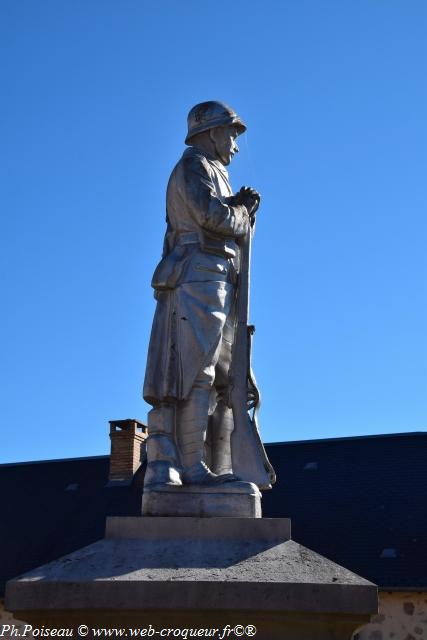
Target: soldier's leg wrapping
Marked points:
221	422
192	427
221	428
162	454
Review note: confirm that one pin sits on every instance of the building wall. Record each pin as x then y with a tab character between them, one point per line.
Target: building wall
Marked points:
402	616
6	619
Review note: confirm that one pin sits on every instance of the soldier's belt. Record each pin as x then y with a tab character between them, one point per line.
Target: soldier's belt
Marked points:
192	237
208	244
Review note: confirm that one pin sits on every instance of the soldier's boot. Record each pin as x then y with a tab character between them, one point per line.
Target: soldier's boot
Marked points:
162	454
221	428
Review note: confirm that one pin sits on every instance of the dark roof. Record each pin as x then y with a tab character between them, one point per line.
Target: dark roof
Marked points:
358	501
51	508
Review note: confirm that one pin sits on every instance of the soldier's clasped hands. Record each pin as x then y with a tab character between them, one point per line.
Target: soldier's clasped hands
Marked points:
250	198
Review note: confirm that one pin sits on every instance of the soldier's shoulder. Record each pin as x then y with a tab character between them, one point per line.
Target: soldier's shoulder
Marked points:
194	159
191	166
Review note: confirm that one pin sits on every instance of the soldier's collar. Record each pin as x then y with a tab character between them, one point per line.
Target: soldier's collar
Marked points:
210	158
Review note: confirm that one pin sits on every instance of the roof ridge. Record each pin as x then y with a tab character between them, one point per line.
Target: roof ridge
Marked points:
362	437
53	460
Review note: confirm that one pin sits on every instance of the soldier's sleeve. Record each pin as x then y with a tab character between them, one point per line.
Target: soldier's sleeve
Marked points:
209	211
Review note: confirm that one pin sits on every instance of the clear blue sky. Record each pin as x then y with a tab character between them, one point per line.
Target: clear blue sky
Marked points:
95	95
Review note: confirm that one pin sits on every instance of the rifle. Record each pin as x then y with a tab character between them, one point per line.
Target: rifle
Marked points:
250	461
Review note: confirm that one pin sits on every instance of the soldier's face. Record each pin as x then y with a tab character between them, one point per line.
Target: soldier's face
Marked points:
225	143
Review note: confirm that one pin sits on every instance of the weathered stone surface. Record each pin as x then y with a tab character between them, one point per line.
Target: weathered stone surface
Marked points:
251	570
231	499
402	614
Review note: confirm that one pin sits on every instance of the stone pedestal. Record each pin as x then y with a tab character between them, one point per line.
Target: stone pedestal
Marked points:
197	573
231	499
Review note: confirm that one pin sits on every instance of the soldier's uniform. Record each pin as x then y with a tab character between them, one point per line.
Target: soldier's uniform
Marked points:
194	280
191	341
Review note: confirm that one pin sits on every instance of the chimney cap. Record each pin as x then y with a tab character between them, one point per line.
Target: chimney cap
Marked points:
127	424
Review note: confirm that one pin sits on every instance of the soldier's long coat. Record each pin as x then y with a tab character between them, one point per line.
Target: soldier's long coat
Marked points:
194	287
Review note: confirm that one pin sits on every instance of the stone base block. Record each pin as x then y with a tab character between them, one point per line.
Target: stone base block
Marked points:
231	499
200	574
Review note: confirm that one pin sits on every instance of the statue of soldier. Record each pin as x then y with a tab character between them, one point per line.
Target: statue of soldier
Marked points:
187	375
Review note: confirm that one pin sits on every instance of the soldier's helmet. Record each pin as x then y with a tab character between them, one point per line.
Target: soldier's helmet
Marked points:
207	115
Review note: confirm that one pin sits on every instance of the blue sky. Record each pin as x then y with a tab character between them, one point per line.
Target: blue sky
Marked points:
93	116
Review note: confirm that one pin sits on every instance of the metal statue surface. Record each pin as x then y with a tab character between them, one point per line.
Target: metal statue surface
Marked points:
202	428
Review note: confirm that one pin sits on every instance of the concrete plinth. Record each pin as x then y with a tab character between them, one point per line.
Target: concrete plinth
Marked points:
197	573
231	499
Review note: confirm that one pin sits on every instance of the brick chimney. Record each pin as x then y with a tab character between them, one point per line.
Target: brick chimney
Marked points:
127	449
